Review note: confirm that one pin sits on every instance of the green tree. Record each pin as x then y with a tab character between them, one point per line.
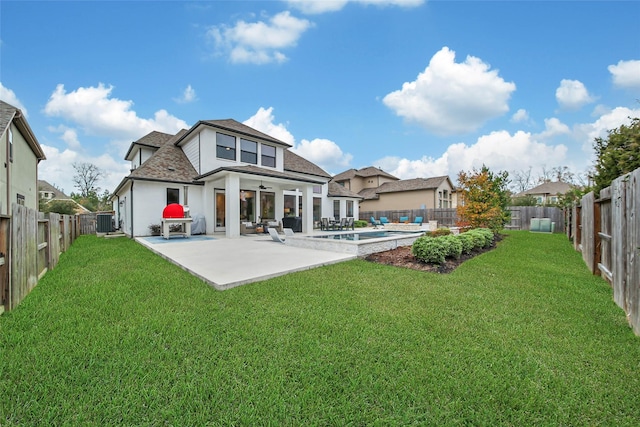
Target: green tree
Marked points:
85	179
617	154
485	199
66	207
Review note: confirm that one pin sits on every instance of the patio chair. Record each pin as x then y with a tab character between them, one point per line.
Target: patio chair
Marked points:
288	232
384	220
274	235
404	219
418	220
324	223
350	224
342	224
375	222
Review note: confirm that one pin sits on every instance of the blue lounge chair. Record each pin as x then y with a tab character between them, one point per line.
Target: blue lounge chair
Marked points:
375	222
384	220
418	220
404	219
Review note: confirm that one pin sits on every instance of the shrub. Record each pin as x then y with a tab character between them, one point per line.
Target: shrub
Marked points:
478	238
488	236
154	229
440	232
430	249
360	223
467	241
454	246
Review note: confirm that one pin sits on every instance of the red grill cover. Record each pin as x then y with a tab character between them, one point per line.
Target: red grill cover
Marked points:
174	210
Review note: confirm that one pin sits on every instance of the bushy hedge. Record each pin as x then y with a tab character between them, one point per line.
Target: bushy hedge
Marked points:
436	249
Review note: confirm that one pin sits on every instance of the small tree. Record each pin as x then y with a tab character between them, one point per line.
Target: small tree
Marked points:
66	207
86	177
618	154
484	199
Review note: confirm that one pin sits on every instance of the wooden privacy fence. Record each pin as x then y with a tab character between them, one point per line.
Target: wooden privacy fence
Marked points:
520	216
607	233
30	245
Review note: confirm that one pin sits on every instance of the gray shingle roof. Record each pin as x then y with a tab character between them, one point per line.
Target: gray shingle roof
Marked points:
153	139
552	188
369	193
337	190
169	163
412	184
237	127
45	186
295	163
364	173
256	170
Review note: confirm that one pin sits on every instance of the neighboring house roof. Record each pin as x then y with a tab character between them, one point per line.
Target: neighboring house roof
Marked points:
234	126
45	186
337	190
364	173
8	114
369	193
154	139
295	163
412	184
551	188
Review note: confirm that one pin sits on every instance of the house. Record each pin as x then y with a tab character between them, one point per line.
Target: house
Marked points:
20	154
48	193
547	193
226	173
381	191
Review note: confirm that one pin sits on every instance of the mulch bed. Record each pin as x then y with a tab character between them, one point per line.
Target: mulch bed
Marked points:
402	257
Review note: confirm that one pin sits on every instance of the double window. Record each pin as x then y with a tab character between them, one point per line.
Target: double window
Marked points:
225	146
248	151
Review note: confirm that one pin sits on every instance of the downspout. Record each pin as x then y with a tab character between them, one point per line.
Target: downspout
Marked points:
7	166
131	194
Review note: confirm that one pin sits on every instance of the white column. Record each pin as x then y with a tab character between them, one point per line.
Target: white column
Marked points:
208	201
232	208
307	209
279	207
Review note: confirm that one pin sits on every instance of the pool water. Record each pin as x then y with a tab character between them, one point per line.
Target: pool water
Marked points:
364	236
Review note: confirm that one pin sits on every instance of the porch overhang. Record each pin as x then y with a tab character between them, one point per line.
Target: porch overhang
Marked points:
259	174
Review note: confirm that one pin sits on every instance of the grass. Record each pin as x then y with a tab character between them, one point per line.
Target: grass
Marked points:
522	335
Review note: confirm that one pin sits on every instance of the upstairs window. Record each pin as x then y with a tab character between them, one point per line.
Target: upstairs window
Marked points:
225	146
10	145
248	151
268	156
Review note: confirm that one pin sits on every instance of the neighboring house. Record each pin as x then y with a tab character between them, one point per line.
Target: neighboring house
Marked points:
381	191
547	193
20	154
48	193
227	173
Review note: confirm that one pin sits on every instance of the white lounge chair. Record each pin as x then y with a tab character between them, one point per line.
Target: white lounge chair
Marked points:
274	235
288	232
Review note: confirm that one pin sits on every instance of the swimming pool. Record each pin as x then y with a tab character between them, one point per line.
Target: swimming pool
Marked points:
364	235
357	243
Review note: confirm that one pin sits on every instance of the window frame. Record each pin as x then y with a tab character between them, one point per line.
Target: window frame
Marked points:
244	152
221	148
168	196
265	159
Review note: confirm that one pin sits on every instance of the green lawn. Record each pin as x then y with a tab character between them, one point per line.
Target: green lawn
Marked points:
522	335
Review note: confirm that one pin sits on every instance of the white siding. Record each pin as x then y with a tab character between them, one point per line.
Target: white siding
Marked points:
191	149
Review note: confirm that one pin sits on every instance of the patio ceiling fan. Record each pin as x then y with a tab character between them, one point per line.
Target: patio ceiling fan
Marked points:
262	187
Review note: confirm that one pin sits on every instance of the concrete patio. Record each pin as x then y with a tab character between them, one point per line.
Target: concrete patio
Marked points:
226	263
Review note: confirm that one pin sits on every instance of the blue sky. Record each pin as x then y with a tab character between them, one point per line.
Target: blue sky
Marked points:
419	88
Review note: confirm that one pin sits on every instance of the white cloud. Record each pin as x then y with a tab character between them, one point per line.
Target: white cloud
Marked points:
259	42
323	6
189	95
585	133
69	136
58	170
450	97
572	95
9	96
97	113
499	151
626	74
323	152
553	127
520	116
263	120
